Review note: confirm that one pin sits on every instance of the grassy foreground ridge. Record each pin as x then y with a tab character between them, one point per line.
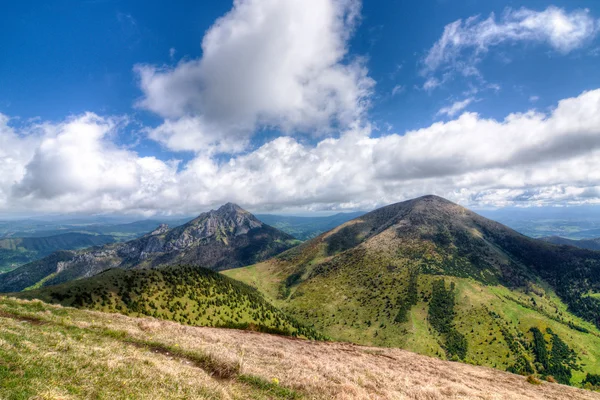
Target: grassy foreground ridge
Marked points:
52	352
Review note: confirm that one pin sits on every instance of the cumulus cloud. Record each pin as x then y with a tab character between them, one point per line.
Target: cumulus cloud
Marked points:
15	151
75	166
530	157
465	43
266	63
470	143
455	107
195	134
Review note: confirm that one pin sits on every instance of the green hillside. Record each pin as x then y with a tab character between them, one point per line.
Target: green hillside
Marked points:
432	277
188	295
15	252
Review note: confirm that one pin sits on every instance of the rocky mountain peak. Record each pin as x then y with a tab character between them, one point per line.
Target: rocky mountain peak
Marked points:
231	208
227	221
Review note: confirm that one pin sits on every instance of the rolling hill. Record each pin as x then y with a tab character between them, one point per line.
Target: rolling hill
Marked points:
229	237
432	277
53	352
189	295
15	252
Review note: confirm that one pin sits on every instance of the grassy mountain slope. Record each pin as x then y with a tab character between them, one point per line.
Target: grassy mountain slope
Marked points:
225	238
304	228
18	251
590	244
52	352
377	280
189	295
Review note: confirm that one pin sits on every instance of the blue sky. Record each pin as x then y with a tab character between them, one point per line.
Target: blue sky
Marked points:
69	57
170	131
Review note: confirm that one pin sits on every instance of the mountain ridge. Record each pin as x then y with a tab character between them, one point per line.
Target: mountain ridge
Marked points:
228	237
589	244
433	277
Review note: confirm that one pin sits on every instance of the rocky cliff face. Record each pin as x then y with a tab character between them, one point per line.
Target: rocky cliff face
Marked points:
228	237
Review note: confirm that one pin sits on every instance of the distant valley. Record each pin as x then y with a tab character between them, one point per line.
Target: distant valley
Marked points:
568	222
116	227
590	244
15	252
24	241
304	228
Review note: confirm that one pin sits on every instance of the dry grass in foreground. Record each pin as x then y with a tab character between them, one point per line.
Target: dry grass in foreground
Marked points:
50	352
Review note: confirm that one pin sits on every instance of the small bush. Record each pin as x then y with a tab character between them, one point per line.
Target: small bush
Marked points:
592	379
533	380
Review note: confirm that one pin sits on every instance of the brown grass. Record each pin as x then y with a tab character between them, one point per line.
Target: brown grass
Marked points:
315	370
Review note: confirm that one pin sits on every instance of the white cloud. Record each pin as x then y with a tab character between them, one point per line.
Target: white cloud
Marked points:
266	63
534	99
15	151
529	157
431	83
75	166
397	90
493	86
464	43
470	144
194	134
455	107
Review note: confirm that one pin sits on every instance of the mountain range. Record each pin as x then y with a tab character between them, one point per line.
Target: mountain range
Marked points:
219	239
425	275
